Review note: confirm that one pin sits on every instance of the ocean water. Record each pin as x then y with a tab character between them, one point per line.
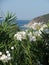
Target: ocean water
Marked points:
21	23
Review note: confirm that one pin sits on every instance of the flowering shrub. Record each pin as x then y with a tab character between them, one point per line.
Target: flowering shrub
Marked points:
37	44
29	47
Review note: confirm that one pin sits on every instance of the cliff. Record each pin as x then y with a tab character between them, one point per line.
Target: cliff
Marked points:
38	20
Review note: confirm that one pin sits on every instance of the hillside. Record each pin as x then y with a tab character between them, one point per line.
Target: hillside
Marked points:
38	20
43	18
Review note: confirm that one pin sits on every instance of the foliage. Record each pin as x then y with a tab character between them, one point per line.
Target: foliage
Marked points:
17	47
9	24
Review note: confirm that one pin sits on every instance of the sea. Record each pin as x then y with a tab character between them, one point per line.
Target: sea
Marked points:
21	23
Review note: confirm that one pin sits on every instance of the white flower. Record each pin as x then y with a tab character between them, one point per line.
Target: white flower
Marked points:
33	38
5	58
8	54
41	28
20	35
17	36
0	53
30	34
37	33
44	25
40	32
35	23
12	47
9	58
7	51
23	32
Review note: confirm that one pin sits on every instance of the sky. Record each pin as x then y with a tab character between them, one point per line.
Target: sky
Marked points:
25	9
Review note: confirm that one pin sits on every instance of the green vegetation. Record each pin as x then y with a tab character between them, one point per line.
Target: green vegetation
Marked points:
17	47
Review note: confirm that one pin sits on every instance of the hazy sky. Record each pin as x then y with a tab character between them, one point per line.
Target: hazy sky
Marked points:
25	9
